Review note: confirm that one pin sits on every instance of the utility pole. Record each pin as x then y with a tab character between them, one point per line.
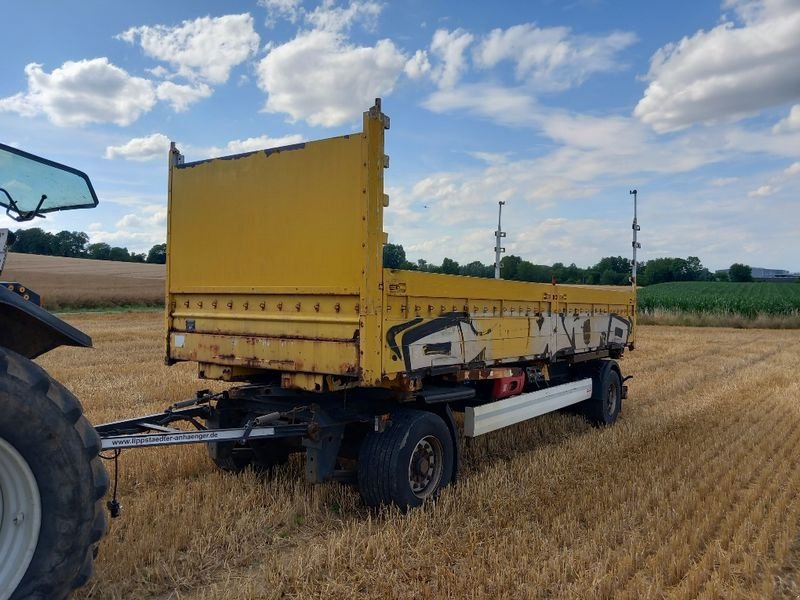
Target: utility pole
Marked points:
636	245
498	235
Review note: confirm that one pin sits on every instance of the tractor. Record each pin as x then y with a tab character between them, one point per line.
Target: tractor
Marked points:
52	481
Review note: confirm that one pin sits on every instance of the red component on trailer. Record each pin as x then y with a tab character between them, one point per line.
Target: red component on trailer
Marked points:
505	387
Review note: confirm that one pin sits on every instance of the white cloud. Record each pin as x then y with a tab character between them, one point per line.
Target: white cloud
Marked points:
723	181
181	97
207	47
149	216
491	158
281	9
137	231
418	65
551	58
728	72
327	16
82	92
321	78
149	147
449	48
793	169
508	106
156	146
330	17
763	191
790	123
260	143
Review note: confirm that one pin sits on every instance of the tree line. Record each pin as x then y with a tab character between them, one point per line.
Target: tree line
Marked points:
610	270
75	244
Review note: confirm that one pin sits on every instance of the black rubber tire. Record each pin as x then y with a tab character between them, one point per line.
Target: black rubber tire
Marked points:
383	459
261	455
44	422
604	406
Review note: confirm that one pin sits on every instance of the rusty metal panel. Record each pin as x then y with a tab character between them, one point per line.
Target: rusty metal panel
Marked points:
257	352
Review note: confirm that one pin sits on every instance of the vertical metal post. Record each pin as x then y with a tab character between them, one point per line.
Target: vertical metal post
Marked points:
636	244
498	235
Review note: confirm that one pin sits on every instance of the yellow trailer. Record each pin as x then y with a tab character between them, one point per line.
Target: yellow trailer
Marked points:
275	265
275	278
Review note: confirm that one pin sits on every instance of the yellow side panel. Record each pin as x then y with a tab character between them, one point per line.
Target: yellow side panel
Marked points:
274	258
281	218
438	321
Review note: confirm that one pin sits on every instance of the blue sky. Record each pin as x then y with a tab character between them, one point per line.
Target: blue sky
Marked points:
558	108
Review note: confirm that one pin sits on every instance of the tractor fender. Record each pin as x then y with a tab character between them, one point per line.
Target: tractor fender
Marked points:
30	330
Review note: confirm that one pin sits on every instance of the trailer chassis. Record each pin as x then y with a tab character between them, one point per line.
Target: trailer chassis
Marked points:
333	425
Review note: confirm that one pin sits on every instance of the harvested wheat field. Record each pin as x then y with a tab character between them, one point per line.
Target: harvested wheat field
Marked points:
694	493
83	283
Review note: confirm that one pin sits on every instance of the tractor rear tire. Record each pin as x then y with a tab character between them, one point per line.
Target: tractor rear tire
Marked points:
52	484
407	463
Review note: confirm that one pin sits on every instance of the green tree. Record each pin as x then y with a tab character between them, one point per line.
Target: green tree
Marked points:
157	254
508	266
449	266
70	243
477	269
394	256
740	272
33	241
98	251
119	254
527	271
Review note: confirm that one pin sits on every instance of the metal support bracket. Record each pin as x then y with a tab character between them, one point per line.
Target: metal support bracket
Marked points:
321	453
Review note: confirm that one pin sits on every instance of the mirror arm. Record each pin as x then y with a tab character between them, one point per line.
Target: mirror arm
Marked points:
21	215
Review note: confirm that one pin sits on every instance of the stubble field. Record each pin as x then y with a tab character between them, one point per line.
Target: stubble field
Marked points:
694	493
82	283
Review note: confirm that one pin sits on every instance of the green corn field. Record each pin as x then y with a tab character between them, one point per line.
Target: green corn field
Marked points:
746	299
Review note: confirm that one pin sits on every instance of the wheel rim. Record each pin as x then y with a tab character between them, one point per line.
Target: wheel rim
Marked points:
20	517
611	398
425	466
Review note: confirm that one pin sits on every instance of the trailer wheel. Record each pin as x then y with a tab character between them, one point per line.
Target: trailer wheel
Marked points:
51	485
606	402
410	461
261	455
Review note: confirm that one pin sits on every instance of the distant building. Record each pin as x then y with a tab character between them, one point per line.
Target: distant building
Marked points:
762	274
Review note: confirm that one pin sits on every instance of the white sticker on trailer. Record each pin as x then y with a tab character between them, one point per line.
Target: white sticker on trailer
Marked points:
180	341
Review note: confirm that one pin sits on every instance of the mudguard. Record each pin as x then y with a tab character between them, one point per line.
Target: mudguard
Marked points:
30	330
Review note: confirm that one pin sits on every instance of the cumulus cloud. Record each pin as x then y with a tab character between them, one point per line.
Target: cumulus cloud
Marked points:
180	96
259	143
327	15
156	146
449	47
733	70
418	65
207	47
82	92
763	191
281	9
148	216
149	147
505	105
330	17
552	58
790	123
793	169
323	79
